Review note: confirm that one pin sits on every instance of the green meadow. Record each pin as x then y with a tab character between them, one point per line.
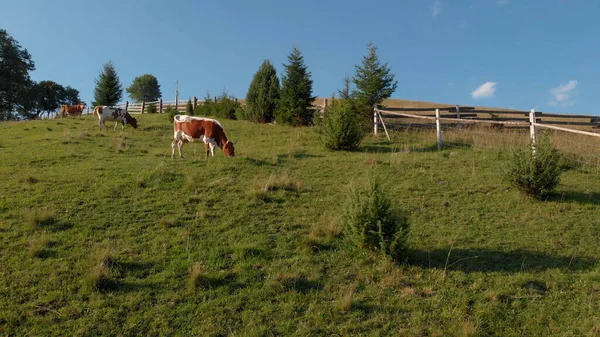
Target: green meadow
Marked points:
102	233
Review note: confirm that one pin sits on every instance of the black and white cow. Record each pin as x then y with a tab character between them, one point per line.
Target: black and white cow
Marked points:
114	114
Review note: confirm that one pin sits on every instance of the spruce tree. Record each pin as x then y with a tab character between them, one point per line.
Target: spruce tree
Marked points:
296	92
109	90
374	80
263	93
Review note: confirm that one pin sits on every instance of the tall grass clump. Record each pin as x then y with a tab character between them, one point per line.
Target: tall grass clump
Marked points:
340	128
371	221
535	173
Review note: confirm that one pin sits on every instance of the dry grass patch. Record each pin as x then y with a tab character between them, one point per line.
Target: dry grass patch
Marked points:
82	135
40	218
36	247
195	278
120	144
261	190
345	303
103	263
328	226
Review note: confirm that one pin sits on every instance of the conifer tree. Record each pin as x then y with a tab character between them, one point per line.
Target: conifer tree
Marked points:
263	93
374	80
109	90
296	92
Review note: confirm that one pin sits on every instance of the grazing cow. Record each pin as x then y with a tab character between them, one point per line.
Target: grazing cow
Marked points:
198	129
71	110
114	114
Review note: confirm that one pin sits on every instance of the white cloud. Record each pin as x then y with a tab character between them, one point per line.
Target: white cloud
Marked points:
502	2
484	91
562	94
436	9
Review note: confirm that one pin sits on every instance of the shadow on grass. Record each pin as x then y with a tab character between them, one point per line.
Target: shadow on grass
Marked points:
484	260
579	197
300	284
297	155
378	148
258	162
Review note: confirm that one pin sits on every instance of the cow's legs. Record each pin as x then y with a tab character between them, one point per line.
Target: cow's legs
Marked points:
180	146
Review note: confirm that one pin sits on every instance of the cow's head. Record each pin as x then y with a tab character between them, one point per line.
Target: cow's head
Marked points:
130	120
228	149
133	122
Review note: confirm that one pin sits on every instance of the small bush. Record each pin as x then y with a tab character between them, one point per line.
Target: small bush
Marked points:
171	112
224	107
536	174
371	222
151	109
189	108
340	128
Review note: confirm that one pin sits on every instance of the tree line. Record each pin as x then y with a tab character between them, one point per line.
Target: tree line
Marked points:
285	100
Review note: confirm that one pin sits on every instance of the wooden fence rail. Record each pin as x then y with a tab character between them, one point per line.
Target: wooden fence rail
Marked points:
533	122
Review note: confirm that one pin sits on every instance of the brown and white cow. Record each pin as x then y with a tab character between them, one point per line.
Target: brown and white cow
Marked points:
71	110
114	114
198	129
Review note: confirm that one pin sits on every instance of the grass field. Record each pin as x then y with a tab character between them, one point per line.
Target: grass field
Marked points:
102	233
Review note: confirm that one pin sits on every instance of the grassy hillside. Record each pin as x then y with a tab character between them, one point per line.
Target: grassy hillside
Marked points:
102	233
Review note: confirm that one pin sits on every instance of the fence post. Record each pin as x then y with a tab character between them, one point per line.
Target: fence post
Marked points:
126	106
143	106
160	105
532	130
375	120
438	126
458	116
195	102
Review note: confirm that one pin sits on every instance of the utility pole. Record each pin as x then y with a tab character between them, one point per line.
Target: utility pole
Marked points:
176	94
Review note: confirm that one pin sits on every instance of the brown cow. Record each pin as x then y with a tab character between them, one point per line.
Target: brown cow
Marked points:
71	110
198	129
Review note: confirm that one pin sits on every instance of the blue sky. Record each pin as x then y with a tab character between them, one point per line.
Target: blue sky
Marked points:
522	54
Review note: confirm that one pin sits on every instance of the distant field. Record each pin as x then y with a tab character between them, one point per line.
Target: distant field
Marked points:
102	233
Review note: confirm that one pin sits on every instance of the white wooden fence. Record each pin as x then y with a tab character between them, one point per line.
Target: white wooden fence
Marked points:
533	124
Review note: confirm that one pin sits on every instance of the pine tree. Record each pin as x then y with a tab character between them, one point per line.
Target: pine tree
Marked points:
109	90
263	93
345	92
374	81
296	92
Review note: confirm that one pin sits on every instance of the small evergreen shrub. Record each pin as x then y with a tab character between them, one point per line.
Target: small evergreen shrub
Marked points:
223	107
535	174
370	221
340	128
189	108
170	111
151	109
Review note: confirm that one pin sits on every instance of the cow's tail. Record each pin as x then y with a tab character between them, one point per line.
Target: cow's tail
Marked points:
97	111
